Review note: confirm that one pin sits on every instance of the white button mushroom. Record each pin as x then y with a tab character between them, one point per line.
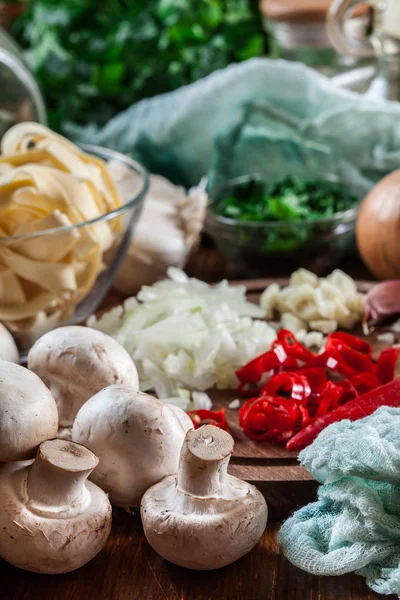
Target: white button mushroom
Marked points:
203	518
28	413
137	437
8	347
76	363
52	520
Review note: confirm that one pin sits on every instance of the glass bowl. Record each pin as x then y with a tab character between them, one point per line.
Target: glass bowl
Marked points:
263	249
97	270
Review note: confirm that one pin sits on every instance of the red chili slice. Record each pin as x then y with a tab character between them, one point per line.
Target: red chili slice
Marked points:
348	391
255	369
350	340
358	362
292	346
365	382
332	361
293	383
316	378
209	417
330	399
263	418
386	364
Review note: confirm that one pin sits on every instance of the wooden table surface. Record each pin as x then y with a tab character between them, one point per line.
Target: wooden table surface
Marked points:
128	569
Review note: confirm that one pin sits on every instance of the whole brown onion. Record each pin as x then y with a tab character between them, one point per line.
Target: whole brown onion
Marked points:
378	228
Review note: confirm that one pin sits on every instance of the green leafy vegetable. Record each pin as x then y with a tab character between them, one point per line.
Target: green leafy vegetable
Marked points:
289	200
93	59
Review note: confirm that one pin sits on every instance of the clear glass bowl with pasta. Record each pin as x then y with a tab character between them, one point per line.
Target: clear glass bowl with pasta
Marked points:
61	274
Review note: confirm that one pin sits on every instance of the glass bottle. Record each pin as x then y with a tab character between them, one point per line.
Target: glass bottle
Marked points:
297	31
380	80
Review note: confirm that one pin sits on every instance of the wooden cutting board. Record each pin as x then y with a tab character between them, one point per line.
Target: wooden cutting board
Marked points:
275	471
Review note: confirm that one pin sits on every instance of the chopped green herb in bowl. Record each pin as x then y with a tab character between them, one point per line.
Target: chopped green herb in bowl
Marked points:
273	228
289	200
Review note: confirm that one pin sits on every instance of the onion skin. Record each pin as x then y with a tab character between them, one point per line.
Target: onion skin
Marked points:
378	228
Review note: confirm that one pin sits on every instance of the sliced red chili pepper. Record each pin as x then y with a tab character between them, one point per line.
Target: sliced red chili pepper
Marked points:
385	395
331	360
330	399
293	383
350	340
263	417
365	382
292	346
386	364
358	362
209	417
348	390
316	378
289	365
305	416
255	369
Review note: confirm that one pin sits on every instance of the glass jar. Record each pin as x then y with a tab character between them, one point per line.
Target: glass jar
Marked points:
297	31
20	98
380	80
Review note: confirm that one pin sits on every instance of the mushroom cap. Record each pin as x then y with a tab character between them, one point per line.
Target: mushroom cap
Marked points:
47	543
8	347
203	533
76	363
28	413
183	417
137	438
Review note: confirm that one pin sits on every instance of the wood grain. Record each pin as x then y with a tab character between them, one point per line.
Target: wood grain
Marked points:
128	569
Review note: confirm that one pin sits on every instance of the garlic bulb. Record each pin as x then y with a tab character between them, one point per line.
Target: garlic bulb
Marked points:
168	228
45	183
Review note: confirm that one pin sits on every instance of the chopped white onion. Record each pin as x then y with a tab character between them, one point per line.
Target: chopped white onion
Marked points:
185	334
387	338
235	404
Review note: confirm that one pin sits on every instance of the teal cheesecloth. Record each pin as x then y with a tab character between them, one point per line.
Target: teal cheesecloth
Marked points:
355	524
263	116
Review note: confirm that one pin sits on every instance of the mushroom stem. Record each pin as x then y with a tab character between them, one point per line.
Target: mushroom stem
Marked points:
57	477
204	462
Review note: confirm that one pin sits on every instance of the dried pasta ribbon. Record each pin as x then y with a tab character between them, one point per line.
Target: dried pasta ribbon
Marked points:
46	183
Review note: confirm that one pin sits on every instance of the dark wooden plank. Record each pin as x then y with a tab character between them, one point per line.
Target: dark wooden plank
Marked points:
285	488
128	569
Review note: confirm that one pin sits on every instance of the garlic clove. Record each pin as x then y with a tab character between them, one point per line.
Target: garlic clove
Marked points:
382	302
169	226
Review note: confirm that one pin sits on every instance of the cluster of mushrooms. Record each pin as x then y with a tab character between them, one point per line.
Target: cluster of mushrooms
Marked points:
77	435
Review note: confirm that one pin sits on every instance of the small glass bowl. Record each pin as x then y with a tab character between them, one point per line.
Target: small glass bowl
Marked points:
132	182
262	249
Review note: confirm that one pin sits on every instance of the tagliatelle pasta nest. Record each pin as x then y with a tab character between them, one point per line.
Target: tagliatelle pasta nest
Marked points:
46	182
311	303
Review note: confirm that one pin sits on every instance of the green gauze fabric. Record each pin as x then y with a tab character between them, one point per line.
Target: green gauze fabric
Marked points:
268	116
355	524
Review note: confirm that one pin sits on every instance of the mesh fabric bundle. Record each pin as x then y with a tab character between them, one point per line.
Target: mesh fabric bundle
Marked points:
355	524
